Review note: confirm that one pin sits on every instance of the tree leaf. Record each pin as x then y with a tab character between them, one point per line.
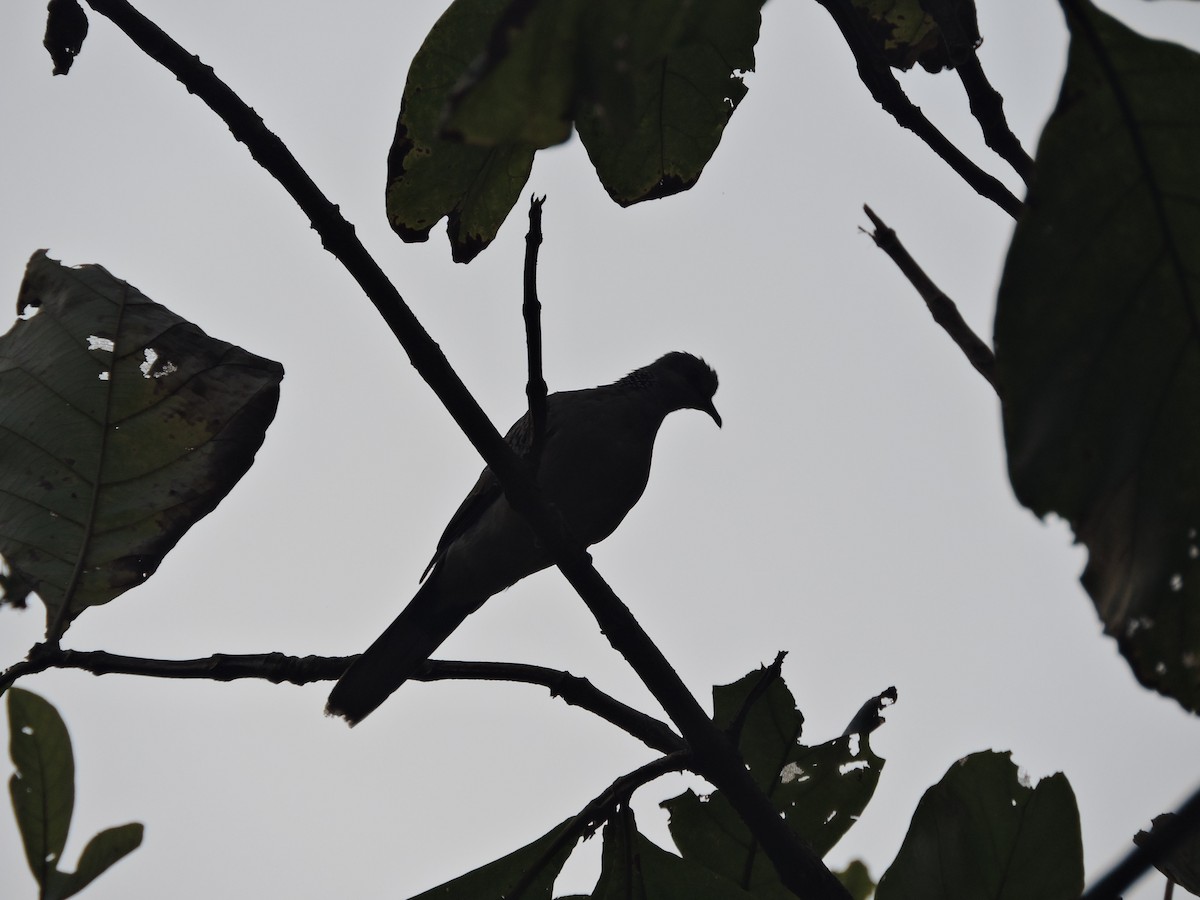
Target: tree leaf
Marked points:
856	878
430	176
650	86
43	787
1182	864
905	32
536	865
982	834
522	89
1098	339
662	81
121	425
820	790
768	723
102	851
633	866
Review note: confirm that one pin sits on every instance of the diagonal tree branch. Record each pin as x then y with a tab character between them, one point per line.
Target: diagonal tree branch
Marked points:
960	38
987	106
279	668
944	312
715	758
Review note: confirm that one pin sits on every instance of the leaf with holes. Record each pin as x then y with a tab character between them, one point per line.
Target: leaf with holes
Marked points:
1098	339
820	790
121	426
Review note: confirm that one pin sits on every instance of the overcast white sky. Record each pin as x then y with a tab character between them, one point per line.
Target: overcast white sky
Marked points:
854	510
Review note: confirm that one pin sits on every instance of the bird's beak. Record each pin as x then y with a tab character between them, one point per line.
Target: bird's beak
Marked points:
712	411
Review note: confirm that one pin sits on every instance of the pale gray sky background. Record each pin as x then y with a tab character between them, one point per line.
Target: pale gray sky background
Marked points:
854	510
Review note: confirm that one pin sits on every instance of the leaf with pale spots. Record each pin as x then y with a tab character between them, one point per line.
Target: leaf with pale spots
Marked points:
121	426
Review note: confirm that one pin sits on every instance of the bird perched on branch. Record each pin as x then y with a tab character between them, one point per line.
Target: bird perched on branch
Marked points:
593	467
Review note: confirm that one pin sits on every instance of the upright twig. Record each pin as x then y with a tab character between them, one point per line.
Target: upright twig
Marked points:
943	309
531	309
715	758
879	80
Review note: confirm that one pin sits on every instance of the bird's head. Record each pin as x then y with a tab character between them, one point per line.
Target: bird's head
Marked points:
687	380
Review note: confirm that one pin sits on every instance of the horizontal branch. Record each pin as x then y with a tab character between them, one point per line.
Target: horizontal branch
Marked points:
941	307
279	668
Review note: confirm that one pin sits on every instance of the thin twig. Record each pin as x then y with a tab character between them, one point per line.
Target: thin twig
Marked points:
987	106
943	309
1156	845
959	30
600	809
879	80
531	309
279	668
799	868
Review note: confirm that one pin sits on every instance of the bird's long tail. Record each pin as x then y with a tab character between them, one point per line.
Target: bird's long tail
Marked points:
398	653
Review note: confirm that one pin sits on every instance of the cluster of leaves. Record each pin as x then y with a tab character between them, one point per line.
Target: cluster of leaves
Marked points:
980	832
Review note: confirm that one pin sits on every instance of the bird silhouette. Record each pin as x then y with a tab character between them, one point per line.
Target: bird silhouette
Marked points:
593	467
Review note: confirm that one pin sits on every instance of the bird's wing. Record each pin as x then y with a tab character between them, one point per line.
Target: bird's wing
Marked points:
487	490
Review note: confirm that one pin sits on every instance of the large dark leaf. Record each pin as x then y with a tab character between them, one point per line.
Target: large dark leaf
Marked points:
982	834
121	425
429	176
662	81
1098	339
650	84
